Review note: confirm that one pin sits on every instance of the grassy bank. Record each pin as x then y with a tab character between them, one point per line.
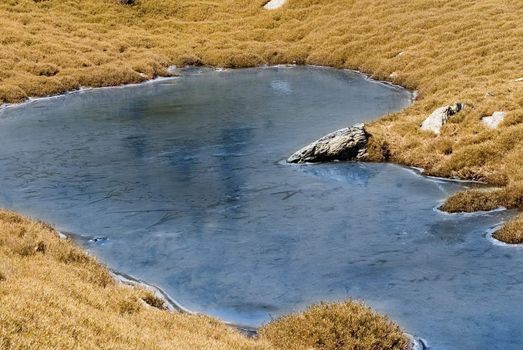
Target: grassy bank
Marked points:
54	296
448	50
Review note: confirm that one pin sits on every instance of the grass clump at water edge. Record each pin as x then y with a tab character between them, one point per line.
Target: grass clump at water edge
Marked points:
484	200
349	325
512	232
510	197
55	296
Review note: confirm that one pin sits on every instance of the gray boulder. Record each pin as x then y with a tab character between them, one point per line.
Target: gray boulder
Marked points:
439	117
345	144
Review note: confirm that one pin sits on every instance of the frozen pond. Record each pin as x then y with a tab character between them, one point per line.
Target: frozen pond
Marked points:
185	180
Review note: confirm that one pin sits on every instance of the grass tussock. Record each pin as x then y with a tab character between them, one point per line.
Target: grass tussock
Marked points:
457	50
510	197
344	326
512	232
54	296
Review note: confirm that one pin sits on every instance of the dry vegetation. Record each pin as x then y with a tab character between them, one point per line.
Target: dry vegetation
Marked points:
448	50
54	296
347	326
511	233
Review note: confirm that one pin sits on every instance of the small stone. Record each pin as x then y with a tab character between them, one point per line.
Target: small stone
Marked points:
274	4
393	75
494	120
342	145
127	2
519	79
439	117
98	239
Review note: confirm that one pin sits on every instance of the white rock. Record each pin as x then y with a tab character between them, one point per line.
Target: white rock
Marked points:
519	79
494	120
393	75
274	4
439	117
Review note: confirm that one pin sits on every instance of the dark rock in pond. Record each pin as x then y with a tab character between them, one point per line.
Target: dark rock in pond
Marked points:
344	144
98	239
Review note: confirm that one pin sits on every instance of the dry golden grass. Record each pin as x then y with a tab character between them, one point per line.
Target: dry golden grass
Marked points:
54	296
345	326
510	197
512	232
